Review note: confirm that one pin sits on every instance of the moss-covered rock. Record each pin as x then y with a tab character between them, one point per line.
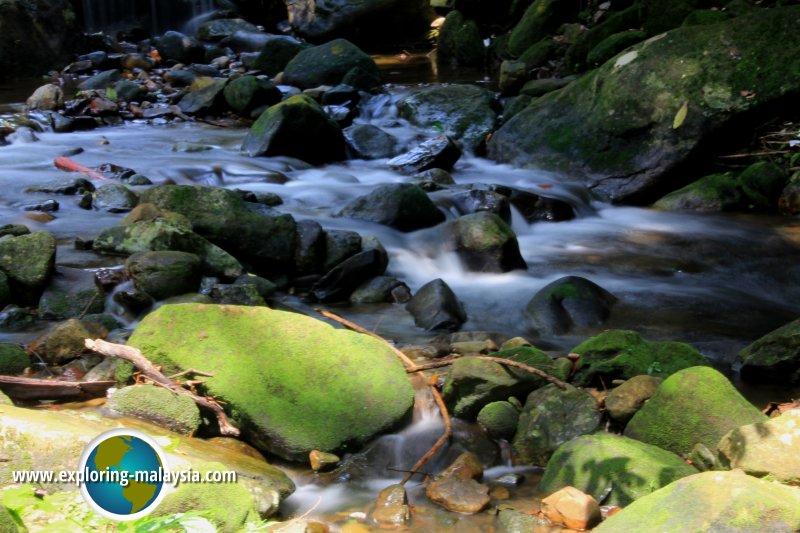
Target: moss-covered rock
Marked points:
176	412
464	112
114	198
64	340
694	405
569	303
276	54
552	416
541	17
8	523
71	293
628	124
775	357
204	96
716	192
247	93
5	291
460	41
595	463
400	205
13	359
293	383
297	127
712	501
164	274
28	261
658	17
612	45
623	354
499	419
328	64
623	401
763	183
485	243
703	17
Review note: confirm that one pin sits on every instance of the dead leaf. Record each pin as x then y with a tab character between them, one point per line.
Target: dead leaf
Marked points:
747	94
680	116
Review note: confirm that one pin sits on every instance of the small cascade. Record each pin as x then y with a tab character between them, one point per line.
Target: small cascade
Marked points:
155	16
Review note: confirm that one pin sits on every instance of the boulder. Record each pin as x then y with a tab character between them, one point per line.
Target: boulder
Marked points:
114	198
218	29
435	306
366	141
613	45
687	86
463	112
567	304
129	91
297	127
165	273
766	448
439	152
64	340
694	405
775	357
293	383
485	243
100	81
176	412
599	462
712	501
247	93
48	97
401	206
551	417
276	54
479	199
380	289
541	18
391	507
623	401
72	292
13	360
28	261
205	95
311	243
340	245
499	419
5	291
460	41
572	508
66	185
229	294
179	47
457	487
342	280
623	354
329	64
713	193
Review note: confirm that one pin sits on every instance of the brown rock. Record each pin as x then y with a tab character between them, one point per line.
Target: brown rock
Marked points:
391	508
623	401
322	460
466	466
460	495
572	508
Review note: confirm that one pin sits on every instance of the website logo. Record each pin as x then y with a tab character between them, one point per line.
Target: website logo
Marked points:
124	473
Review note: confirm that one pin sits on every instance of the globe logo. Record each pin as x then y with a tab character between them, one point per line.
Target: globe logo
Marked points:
123	472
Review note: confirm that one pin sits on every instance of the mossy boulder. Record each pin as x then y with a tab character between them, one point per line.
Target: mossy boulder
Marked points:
247	93
484	243
626	19
460	41
623	401
8	523
499	419
595	463
658	17
775	357
329	64
293	383
436	306
716	192
5	291
64	340
623	354
463	112
765	448
13	359
114	198
71	293
366	141
402	206
276	54
627	126
176	412
612	45
569	303
164	274
712	501
474	383
204	96
763	183
28	261
297	127
702	17
541	18
550	417
694	405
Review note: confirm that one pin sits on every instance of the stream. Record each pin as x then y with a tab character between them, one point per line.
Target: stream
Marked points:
716	281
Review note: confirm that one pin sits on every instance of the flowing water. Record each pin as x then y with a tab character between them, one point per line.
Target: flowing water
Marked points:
153	15
717	281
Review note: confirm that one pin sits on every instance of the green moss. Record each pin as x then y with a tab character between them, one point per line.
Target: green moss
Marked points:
537	54
7	522
717	192
499	419
763	183
593	463
176	412
460	41
694	405
703	17
124	372
28	260
13	359
612	45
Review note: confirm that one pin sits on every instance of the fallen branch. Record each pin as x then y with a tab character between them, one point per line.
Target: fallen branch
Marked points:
149	370
52	389
507	362
448	432
430	366
755	154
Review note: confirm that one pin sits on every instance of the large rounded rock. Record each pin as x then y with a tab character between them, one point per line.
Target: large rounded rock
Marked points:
457	487
293	383
205	95
367	141
628	125
551	417
28	261
13	359
440	152
623	401
435	306
180	47
541	17
569	303
400	205
342	280
695	405
71	293
164	274
485	243
247	93
775	357
595	463
499	419
460	41
297	127
328	64
176	412
464	112
114	198
276	54
712	501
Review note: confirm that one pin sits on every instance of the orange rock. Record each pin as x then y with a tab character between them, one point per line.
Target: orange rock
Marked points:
572	508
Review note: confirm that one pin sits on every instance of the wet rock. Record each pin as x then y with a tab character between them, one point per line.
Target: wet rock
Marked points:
381	289
247	93
623	401
165	273
48	97
714	193
536	208
513	521
100	81
623	354
485	243
13	359
597	463
340	245
328	64
180	77
712	501
276	54
567	304
433	179
114	198
513	75
775	357
435	306
13	318
64	341
460	41
499	419
133	301
463	112
204	95
474	383
572	508
263	286
218	29
391	508
366	141
47	206
766	448
457	488
62	124
135	61
28	261
551	417
71	293
297	127
179	47
614	44
402	206
236	295
15	230
342	280
282	374
436	152
129	91
310	251
537	88
540	18
5	291
176	412
478	200
321	461
694	405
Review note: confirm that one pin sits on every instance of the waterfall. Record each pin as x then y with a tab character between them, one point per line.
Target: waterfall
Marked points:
155	16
